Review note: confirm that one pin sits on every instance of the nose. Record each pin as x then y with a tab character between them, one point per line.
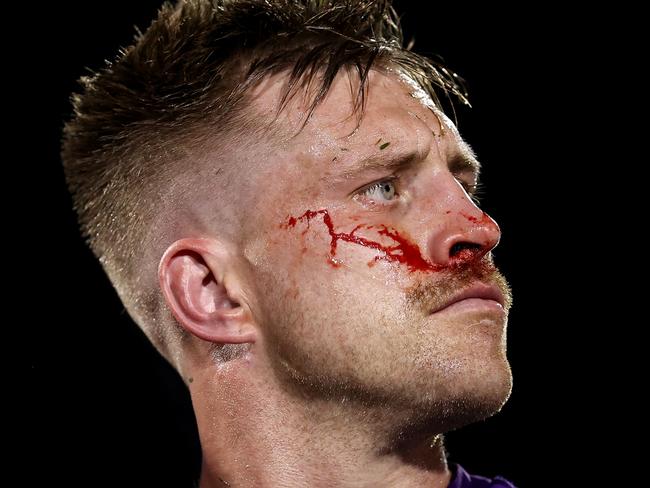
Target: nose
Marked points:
465	234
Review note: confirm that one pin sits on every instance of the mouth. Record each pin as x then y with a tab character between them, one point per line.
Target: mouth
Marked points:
479	295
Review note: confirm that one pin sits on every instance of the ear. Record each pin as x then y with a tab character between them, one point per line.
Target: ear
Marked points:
202	290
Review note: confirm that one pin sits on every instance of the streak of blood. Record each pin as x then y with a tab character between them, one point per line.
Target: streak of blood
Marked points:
404	252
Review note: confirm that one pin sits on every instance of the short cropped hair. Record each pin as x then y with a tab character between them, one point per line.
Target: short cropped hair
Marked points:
184	83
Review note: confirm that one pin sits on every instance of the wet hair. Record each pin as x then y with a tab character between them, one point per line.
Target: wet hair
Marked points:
186	81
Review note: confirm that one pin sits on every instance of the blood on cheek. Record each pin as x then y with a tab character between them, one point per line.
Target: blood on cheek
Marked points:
402	251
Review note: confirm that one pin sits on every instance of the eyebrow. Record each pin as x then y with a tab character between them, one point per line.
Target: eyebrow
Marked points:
376	162
463	159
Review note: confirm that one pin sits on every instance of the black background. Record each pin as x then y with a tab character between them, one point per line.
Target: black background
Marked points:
106	409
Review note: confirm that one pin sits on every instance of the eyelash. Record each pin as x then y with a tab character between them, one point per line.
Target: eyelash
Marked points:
475	192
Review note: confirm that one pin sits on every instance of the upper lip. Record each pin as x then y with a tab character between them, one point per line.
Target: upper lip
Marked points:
477	290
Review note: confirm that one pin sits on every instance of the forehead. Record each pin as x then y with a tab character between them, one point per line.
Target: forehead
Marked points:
396	110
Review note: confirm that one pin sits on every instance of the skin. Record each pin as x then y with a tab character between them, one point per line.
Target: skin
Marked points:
345	378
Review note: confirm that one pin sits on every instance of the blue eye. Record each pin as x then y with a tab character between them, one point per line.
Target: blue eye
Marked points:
382	190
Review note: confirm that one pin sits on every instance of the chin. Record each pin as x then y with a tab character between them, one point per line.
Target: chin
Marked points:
470	395
479	399
445	412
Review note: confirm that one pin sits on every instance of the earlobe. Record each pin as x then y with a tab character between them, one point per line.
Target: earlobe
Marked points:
200	289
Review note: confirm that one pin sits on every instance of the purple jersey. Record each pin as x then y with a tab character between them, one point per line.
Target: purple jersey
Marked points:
462	479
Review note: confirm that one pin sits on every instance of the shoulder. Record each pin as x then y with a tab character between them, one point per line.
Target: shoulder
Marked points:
462	479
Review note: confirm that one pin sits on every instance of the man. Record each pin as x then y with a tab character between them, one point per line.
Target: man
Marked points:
284	209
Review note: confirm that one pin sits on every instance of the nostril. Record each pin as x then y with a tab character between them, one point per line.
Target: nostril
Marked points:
459	247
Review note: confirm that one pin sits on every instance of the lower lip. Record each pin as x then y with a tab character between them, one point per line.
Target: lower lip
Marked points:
473	304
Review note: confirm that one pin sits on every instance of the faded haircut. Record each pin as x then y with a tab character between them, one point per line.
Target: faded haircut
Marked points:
184	83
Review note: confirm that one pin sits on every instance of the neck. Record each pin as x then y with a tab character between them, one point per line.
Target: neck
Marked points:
254	433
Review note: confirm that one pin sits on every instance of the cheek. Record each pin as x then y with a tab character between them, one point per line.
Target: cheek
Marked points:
313	261
318	321
296	270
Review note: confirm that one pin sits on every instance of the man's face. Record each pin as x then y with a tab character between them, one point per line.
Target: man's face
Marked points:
350	263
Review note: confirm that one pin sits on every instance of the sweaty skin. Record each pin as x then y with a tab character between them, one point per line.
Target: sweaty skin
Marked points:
349	367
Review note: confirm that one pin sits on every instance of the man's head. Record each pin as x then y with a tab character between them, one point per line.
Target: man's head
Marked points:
275	181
